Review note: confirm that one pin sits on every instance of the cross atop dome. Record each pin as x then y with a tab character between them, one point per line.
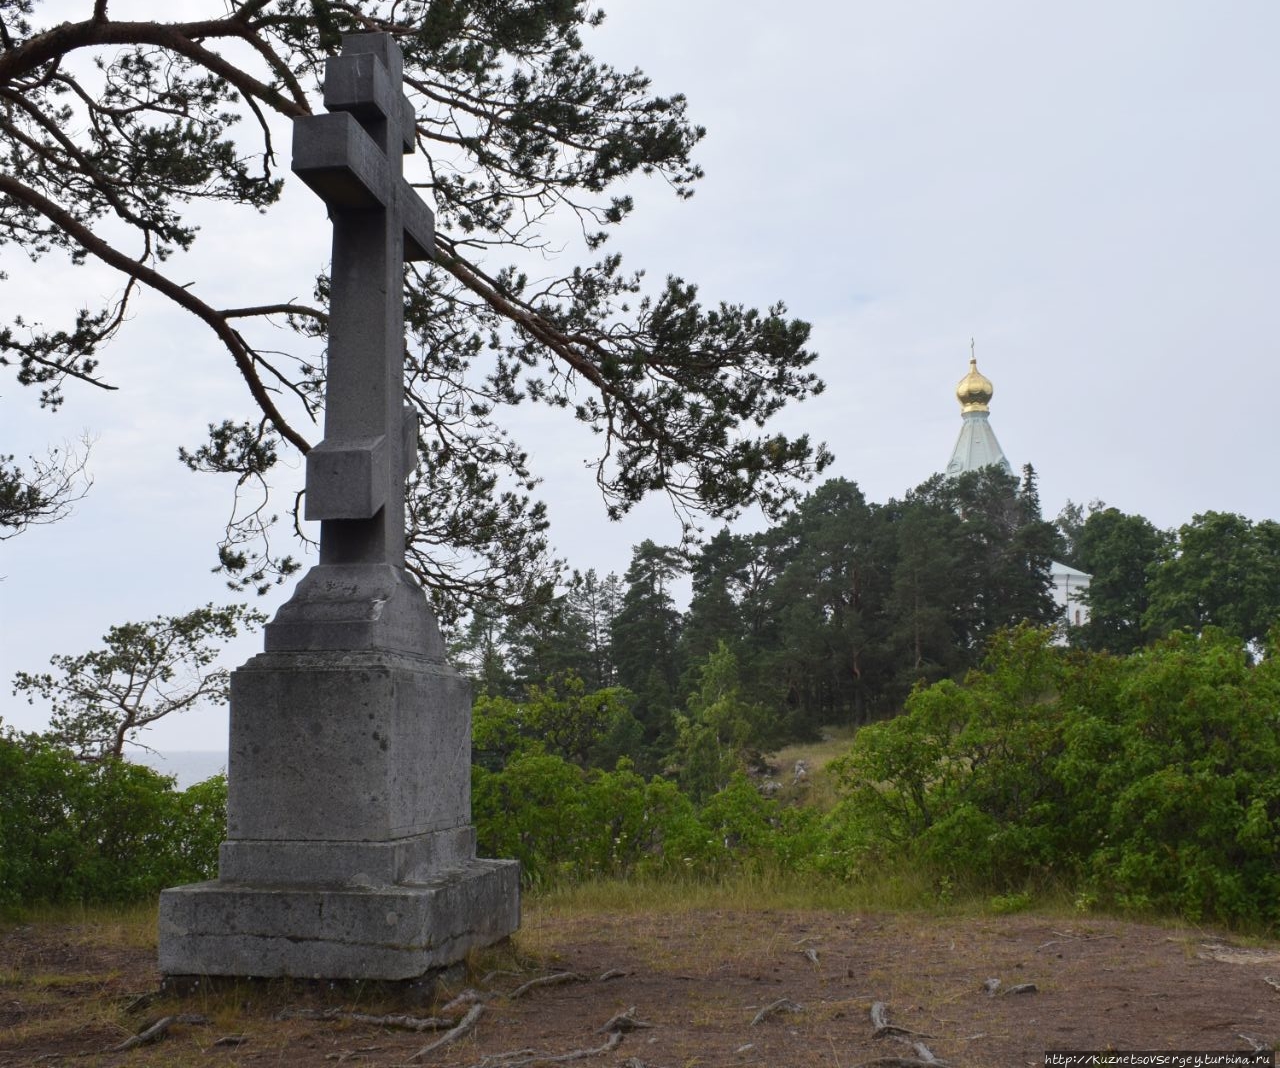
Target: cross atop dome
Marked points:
975	390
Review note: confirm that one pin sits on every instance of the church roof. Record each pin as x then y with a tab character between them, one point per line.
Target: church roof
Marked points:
1057	567
976	447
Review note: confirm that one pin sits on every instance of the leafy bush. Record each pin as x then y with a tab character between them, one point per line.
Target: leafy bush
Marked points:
1195	822
562	718
1148	782
99	832
565	824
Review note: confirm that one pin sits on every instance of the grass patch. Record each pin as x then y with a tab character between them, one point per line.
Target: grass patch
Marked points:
885	890
833	742
817	788
96	926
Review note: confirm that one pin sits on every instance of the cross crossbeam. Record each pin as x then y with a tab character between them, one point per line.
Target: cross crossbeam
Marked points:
352	158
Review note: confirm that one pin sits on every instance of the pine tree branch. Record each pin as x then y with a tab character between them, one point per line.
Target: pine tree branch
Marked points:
180	295
180	37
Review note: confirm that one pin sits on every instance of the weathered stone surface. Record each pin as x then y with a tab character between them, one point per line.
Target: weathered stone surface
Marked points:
356	607
347	480
350	853
355	83
346	864
351	746
389	932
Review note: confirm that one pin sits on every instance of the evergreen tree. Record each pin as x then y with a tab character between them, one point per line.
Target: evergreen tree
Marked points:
829	605
717	576
1005	549
45	491
926	605
597	603
646	637
479	654
1070	529
117	133
547	639
108	697
1029	559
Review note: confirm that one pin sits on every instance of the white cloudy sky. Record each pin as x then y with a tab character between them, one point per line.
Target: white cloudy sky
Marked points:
1088	190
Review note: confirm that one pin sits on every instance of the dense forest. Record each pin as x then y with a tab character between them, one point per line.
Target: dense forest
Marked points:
1129	761
833	615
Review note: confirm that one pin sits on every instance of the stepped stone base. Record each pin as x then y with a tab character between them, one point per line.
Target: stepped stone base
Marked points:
380	932
350	852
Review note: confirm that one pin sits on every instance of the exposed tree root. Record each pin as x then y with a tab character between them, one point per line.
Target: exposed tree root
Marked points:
497	973
526	1058
158	1030
924	1053
879	1016
464	1026
1072	938
398	1021
923	1058
352	1054
623	1023
774	1008
883	1028
546	980
464	1000
992	987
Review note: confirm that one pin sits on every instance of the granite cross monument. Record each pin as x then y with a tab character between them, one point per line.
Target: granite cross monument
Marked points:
350	852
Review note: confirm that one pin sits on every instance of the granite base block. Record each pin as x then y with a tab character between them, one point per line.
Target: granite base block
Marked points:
348	747
383	932
352	864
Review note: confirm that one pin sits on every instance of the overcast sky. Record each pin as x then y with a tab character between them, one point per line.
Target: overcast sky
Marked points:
1087	190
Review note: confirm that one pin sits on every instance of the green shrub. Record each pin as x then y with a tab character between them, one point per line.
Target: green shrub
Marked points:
1149	782
99	832
566	824
1194	824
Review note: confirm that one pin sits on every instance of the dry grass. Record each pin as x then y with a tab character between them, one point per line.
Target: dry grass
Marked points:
834	742
882	890
98	927
817	789
83	968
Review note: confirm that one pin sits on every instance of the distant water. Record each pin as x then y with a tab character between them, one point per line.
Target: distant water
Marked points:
188	766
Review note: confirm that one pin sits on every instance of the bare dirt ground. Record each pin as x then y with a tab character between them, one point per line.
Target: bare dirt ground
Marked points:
695	981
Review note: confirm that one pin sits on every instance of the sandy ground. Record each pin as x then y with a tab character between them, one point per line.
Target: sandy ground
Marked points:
694	985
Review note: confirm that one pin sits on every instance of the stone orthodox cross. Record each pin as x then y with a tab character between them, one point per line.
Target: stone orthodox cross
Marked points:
350	852
352	158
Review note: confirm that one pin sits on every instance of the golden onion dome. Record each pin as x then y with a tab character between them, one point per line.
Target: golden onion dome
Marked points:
975	389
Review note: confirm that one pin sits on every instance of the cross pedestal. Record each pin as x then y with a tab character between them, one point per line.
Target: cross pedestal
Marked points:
350	852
